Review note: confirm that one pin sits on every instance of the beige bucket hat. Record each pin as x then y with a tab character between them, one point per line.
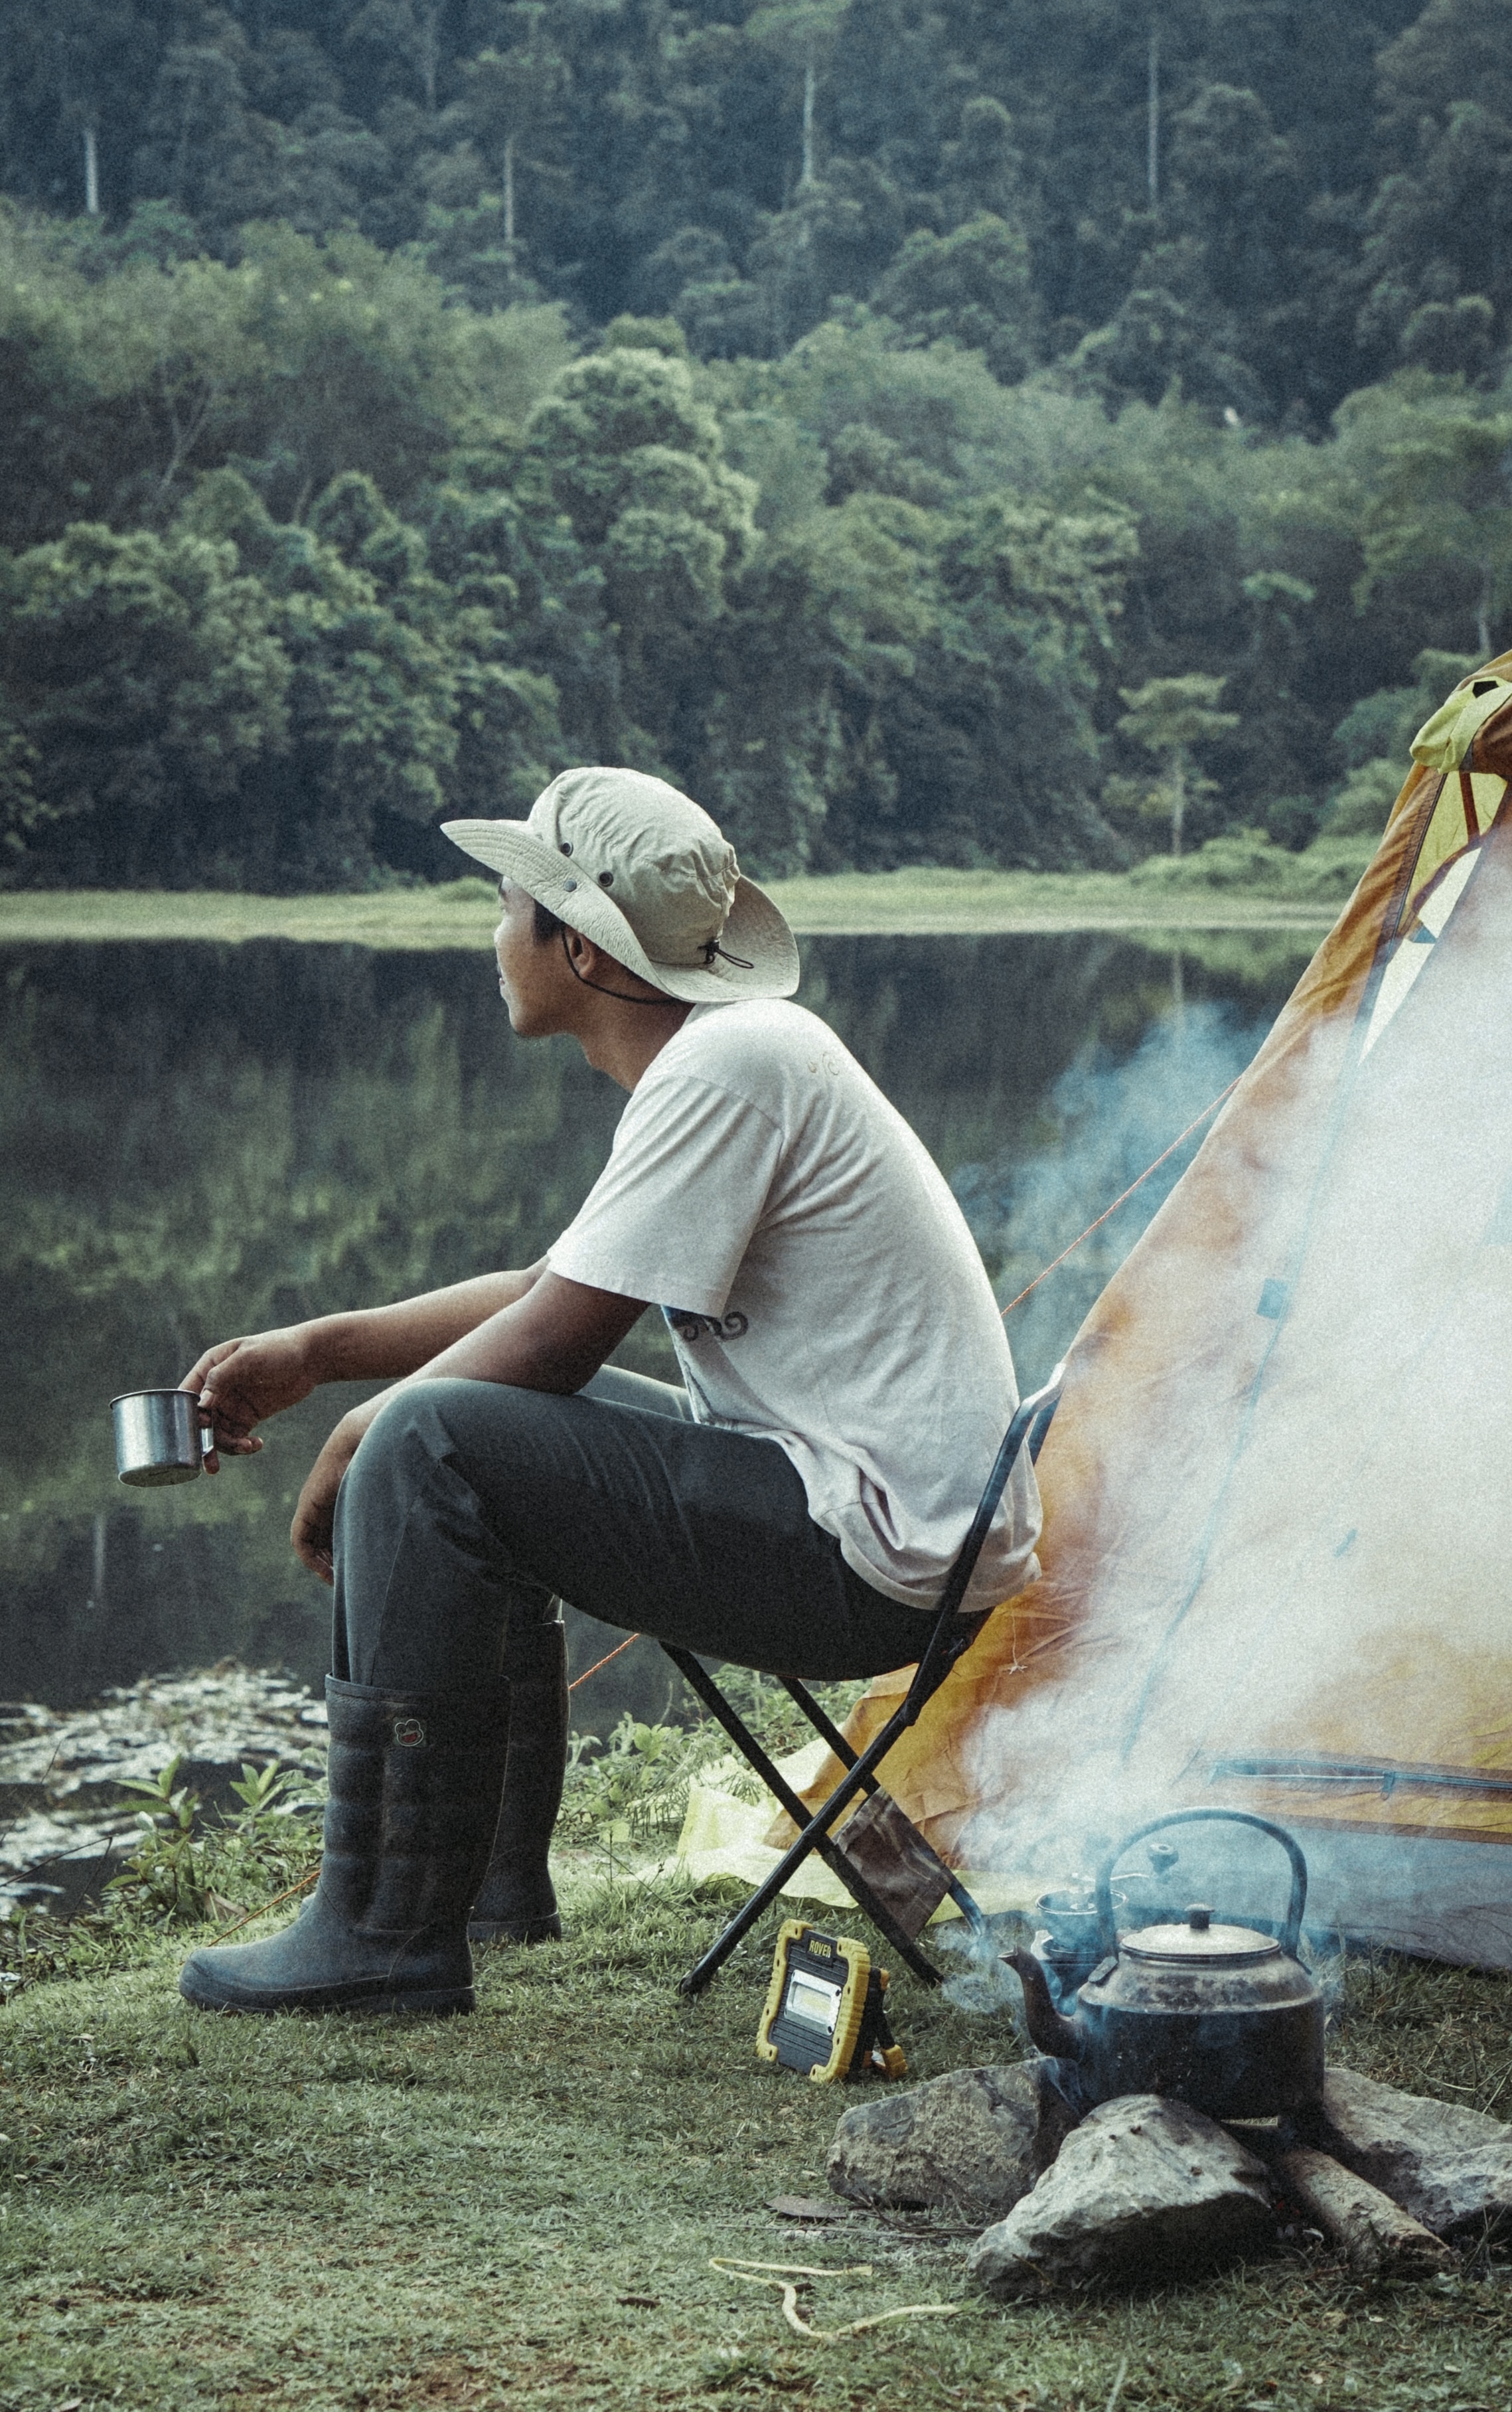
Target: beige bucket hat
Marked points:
642	871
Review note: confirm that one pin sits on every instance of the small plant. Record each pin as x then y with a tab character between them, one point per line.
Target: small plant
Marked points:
162	1883
635	1786
634	1789
272	1841
186	1868
777	1722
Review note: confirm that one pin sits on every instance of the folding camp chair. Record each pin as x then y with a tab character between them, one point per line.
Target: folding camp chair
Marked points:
882	1858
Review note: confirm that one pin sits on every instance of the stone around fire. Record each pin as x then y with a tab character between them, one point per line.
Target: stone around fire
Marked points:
1144	2189
972	2141
1449	2166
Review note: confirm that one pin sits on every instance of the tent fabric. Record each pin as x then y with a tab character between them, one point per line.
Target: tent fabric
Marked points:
1278	1525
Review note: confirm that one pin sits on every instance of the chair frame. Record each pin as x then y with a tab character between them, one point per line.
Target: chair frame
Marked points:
950	1636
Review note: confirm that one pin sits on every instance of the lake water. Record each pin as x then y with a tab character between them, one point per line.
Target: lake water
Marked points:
196	1140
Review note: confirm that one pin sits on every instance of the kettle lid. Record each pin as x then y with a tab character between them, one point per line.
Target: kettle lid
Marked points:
1199	1943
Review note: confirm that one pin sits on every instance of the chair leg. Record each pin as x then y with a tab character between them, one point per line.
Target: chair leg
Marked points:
945	1642
704	1970
813	1836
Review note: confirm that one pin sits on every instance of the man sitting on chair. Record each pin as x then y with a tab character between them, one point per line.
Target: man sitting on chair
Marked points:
794	1506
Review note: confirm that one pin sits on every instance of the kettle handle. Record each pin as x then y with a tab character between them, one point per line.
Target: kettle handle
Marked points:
1290	1934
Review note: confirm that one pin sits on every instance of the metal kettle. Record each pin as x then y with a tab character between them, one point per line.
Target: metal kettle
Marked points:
1225	2018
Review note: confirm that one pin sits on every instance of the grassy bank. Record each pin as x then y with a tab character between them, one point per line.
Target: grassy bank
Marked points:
521	2208
1251	888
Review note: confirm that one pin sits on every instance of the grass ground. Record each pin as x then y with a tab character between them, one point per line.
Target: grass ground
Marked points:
521	2208
914	903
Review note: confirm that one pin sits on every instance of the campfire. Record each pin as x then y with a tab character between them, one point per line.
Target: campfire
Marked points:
1143	2188
1177	2115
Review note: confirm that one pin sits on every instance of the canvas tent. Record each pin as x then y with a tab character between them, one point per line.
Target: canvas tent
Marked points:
1278	1541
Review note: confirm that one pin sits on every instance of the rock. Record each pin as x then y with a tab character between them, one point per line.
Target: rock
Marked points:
972	2141
1379	2240
805	2208
1144	2189
1448	2166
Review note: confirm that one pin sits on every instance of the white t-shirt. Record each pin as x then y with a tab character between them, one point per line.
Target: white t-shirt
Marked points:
822	1290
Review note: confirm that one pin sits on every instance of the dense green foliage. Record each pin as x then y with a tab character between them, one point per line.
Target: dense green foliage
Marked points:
843	406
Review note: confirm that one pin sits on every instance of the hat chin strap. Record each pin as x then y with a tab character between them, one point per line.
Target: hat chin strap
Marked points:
623	994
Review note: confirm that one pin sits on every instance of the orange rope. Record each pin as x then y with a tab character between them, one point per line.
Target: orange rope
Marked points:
600	1662
303	1886
1127	1194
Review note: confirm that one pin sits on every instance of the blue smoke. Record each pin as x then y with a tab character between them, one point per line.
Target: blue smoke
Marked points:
1109	1117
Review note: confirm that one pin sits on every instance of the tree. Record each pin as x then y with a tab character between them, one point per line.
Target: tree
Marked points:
142	675
902	683
981	173
511	96
77	74
842	228
636	463
397	44
1440	222
304	360
974	286
1442	506
21	808
802	31
1441	230
1238	190
1168	718
1169	334
821	633
197	131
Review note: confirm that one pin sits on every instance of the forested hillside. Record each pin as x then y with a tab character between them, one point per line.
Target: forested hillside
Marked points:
967	431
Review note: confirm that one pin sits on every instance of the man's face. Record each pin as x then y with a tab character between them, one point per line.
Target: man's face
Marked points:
531	976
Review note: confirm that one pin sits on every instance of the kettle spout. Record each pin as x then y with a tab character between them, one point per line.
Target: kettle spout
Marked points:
1061	2038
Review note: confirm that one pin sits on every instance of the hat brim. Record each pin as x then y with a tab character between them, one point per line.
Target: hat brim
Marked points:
754	929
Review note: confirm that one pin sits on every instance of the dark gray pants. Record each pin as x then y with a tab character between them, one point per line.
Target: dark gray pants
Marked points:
469	1505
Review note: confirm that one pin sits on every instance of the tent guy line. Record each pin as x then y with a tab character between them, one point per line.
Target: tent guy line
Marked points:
1124	1194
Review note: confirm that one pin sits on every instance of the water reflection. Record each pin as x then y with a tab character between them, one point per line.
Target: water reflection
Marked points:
203	1140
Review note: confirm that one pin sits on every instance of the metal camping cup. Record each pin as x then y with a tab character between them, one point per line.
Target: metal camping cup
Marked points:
157	1436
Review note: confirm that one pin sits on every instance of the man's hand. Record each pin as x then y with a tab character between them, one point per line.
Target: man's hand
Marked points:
315	1516
241	1382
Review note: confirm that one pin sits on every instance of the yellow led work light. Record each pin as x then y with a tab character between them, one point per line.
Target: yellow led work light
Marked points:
824	2008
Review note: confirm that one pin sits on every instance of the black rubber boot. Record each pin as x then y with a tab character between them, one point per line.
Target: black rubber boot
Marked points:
518	1903
414	1787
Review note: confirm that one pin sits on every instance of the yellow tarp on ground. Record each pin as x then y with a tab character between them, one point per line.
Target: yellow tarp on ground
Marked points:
1278	1541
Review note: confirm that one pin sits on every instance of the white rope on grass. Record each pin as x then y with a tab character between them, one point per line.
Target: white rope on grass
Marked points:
784	2273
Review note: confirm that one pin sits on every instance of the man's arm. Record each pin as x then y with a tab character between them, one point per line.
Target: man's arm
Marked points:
241	1382
555	1337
